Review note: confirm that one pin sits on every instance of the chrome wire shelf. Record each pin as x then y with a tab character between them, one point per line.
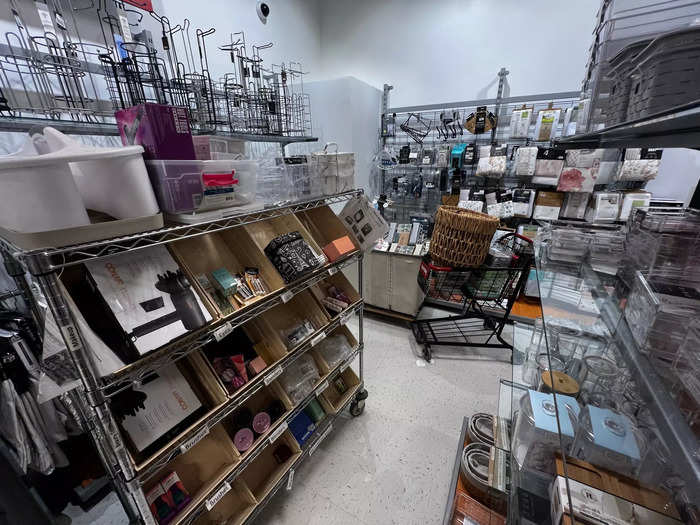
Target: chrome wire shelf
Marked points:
49	259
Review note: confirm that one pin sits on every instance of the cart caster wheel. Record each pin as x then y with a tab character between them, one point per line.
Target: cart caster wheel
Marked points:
357	407
427	354
361	395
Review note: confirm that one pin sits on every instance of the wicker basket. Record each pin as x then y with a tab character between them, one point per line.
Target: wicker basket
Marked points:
461	237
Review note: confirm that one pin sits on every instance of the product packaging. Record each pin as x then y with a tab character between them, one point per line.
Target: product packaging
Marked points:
175	491
163	131
575	205
577	179
364	222
338	248
631	200
640	164
548	166
547	205
334	349
156	409
302	428
546	124
525	161
299	379
138	301
603	206
292	256
492	161
520	122
523	200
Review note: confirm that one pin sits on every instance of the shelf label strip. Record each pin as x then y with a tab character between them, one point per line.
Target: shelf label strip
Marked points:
286	296
194	440
290	479
278	432
320	439
346	364
332	270
220	493
223	331
345	318
321	387
269	378
318	338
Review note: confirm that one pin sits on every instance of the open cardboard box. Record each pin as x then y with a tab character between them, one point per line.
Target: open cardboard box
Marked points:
331	400
202	383
231	249
320	290
285	316
266	345
264	472
324	225
259	403
201	468
322	352
264	231
234	507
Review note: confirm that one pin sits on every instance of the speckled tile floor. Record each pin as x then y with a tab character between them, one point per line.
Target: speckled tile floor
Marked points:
392	464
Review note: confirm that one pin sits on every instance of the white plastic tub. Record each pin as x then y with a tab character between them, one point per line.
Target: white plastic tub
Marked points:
187	186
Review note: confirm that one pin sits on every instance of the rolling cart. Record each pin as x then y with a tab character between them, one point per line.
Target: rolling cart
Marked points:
487	294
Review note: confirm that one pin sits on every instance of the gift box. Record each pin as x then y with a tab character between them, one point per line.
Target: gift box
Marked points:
338	248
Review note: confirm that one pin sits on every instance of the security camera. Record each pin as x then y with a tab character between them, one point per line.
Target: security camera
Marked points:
263	11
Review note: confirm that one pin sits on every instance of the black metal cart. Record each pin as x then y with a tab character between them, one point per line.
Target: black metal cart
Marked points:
487	294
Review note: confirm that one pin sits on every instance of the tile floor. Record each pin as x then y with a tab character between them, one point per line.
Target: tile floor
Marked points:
393	463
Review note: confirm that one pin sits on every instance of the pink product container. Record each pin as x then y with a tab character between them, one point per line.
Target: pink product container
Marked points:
243	439
261	422
186	186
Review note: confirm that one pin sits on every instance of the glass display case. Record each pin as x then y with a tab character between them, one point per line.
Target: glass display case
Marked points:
602	416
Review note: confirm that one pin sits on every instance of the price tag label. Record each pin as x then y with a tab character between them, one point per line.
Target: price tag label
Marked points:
320	439
45	17
322	387
286	296
126	30
345	318
290	479
216	498
278	432
145	510
318	338
223	331
332	270
269	378
194	440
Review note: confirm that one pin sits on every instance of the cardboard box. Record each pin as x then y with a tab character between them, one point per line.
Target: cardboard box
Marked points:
590	504
617	485
364	222
338	248
468	510
163	131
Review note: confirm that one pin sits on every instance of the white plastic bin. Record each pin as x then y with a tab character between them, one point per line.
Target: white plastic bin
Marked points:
185	186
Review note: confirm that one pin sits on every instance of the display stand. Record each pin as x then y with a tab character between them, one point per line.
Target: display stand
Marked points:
227	488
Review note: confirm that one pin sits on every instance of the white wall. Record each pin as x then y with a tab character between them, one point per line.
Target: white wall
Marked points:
451	50
678	176
293	26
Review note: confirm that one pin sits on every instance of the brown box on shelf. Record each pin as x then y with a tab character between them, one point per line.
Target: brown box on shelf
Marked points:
618	485
284	316
332	399
467	508
339	281
339	247
264	231
262	474
233	250
201	467
324	225
233	508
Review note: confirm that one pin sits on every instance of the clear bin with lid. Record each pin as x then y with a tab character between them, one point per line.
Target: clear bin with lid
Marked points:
186	186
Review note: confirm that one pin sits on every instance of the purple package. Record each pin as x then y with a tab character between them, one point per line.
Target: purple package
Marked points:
163	131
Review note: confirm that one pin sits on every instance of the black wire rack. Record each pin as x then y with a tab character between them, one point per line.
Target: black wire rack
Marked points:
487	294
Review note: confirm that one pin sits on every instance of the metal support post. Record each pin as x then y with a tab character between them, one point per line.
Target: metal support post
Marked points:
502	83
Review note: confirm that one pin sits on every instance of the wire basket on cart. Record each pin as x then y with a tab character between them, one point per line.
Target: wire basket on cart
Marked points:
486	295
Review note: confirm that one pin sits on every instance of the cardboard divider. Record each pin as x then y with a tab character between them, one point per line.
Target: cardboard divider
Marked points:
285	316
201	467
320	290
264	231
206	386
259	402
324	225
262	474
332	400
234	507
233	250
266	346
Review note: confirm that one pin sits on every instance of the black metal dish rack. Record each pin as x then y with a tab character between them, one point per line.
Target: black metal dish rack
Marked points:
487	294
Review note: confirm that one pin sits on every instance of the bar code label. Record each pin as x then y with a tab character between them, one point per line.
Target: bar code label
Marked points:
269	378
322	387
277	433
332	270
194	440
286	296
290	479
318	338
216	498
223	331
320	439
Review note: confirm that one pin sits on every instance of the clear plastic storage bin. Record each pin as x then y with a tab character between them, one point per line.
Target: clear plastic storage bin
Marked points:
186	186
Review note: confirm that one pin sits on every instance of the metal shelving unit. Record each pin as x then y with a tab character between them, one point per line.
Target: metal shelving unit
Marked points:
93	398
